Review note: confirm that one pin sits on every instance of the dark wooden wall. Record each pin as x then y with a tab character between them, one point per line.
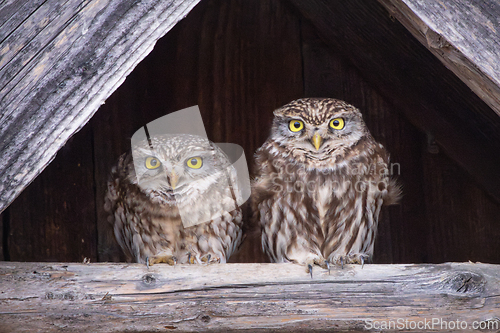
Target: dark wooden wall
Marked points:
239	60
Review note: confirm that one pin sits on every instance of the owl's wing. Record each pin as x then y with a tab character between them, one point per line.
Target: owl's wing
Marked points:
351	221
115	204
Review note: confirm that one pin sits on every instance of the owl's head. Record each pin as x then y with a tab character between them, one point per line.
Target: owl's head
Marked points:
172	168
313	130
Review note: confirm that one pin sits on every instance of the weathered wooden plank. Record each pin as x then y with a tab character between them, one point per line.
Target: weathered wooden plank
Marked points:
462	219
22	79
70	76
24	42
232	297
3	223
54	219
403	70
462	34
12	12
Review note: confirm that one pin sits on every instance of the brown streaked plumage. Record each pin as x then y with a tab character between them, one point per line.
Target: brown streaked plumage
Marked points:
321	180
149	202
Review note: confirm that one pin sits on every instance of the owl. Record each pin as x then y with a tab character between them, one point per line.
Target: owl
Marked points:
320	182
174	199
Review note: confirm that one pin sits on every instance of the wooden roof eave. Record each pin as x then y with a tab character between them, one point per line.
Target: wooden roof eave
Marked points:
464	36
58	63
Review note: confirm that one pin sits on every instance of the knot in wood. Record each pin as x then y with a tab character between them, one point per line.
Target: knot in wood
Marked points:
465	282
205	318
149	279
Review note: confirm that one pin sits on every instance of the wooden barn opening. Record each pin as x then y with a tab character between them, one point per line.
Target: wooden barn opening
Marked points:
238	61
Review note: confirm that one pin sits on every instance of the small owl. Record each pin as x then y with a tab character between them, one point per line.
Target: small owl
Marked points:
321	180
174	199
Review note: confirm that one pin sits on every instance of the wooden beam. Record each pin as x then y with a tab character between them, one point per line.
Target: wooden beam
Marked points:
230	297
59	61
463	35
410	77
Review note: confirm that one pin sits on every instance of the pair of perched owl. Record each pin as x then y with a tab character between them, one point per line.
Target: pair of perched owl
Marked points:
319	185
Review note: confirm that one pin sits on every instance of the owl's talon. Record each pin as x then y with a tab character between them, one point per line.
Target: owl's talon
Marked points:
327	266
351	258
311	262
208	259
168	259
147	262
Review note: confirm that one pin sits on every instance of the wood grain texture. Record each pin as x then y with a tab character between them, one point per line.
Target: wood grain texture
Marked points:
234	297
463	35
471	229
4	222
12	13
411	78
59	62
55	216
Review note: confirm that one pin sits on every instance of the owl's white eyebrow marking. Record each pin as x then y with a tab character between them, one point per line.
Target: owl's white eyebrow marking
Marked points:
145	151
290	118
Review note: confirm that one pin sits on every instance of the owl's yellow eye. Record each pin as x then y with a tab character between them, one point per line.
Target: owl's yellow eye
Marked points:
296	125
337	123
194	162
152	163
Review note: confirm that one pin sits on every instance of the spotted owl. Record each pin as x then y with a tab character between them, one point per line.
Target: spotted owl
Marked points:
174	199
320	182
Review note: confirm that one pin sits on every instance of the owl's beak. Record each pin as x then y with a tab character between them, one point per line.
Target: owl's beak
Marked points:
317	140
173	178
